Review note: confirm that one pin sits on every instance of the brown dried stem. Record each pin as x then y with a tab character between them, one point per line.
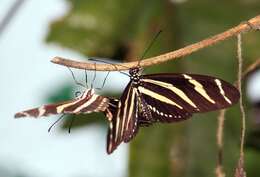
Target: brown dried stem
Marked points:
251	68
240	171
253	23
221	119
243	119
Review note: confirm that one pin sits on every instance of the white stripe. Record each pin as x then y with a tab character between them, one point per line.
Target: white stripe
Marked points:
86	104
62	107
41	110
110	137
158	97
130	113
176	90
118	119
222	91
199	88
125	115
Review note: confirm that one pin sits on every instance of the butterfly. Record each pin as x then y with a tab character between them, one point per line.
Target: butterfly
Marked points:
166	98
87	102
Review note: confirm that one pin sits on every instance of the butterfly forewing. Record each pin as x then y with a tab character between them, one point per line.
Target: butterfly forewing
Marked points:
88	102
173	97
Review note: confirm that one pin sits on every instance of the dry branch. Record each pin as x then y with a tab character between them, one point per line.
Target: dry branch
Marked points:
240	171
253	23
221	118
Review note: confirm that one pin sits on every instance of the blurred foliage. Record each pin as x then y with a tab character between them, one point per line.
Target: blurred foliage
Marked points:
61	94
253	137
122	30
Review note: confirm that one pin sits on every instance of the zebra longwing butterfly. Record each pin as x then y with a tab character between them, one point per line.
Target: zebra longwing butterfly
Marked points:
166	97
86	103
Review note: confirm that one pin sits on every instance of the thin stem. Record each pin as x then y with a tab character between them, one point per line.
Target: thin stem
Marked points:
252	67
221	120
251	24
220	132
115	65
243	116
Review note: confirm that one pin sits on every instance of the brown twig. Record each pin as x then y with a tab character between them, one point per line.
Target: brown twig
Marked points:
221	119
240	171
240	168
251	68
253	23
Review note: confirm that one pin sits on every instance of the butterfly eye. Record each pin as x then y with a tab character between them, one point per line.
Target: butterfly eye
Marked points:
78	93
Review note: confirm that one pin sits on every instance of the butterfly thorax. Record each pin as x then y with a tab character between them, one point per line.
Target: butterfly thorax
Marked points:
135	75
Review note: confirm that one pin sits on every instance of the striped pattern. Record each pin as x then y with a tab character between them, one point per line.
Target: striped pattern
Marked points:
124	125
165	98
147	99
88	102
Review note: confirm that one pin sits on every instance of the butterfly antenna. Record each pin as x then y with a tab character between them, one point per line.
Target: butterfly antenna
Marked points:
94	59
49	129
149	47
71	123
73	76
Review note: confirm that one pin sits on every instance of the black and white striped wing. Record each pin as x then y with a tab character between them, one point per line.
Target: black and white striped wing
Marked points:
88	102
123	120
174	97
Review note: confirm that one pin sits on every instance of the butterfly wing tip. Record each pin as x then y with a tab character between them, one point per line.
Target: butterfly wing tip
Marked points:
19	115
109	152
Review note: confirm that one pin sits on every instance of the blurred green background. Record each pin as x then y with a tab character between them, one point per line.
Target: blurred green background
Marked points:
122	30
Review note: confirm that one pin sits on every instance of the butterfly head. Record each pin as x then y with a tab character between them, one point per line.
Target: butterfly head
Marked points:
135	74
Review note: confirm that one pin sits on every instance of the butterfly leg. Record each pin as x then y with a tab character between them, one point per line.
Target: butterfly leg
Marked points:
103	84
49	129
71	123
74	78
